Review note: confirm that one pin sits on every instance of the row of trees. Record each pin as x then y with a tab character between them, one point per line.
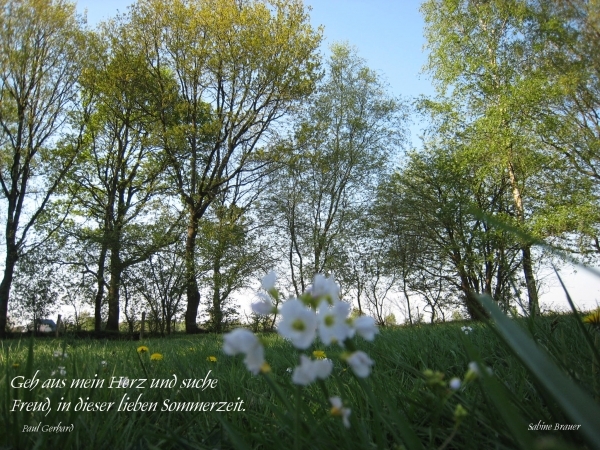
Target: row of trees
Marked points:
172	155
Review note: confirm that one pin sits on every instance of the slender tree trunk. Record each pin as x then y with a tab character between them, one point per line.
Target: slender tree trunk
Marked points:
404	290
217	313
100	289
192	291
530	282
116	269
9	270
526	247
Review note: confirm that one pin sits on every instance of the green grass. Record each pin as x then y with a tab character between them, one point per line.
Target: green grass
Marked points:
396	407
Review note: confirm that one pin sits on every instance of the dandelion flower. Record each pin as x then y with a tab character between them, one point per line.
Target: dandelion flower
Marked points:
337	409
298	323
319	354
360	363
156	357
593	319
212	359
142	349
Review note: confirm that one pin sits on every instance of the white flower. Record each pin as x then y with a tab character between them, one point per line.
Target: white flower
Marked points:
268	281
332	322
298	323
309	370
466	330
263	307
255	359
365	327
288	370
61	371
474	371
239	340
337	409
103	363
124	382
360	363
454	384
244	341
325	288
59	354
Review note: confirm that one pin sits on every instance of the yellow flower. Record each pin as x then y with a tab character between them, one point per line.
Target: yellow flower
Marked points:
156	357
15	365
593	319
212	359
319	354
265	368
142	349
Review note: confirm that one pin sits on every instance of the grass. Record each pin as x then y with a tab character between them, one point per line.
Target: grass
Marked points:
399	406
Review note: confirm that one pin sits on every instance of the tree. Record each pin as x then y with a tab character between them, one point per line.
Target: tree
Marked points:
433	198
40	54
157	284
481	53
116	183
569	32
231	250
239	68
344	140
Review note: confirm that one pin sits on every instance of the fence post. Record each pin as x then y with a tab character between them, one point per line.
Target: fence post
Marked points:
143	324
58	324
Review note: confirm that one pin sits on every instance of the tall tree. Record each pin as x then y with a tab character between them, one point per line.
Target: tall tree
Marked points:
345	139
118	178
432	198
40	54
239	68
480	56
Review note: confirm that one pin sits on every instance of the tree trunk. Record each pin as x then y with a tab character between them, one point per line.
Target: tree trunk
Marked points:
192	291
112	323
100	291
530	282
9	270
526	248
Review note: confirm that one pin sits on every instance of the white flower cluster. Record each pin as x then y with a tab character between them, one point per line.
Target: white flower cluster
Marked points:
318	312
466	330
60	371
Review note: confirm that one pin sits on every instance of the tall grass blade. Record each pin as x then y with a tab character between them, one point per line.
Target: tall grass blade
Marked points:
576	404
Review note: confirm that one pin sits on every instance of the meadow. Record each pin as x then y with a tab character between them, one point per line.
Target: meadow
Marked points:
406	402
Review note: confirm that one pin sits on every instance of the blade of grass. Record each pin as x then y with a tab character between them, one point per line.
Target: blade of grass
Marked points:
580	324
576	404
